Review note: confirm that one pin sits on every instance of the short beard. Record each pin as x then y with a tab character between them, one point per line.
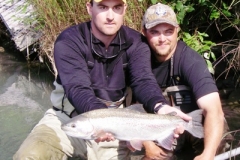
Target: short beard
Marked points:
161	54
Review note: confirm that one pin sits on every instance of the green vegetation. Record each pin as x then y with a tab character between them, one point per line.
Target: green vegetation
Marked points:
206	25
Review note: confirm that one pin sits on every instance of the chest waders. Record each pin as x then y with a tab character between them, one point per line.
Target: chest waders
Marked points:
177	92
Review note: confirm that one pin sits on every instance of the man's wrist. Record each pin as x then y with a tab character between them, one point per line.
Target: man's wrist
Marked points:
147	144
158	107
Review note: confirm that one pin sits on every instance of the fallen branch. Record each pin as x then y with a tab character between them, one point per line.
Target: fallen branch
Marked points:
228	154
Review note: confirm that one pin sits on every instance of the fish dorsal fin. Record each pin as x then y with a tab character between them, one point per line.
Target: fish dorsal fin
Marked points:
136	107
98	133
136	144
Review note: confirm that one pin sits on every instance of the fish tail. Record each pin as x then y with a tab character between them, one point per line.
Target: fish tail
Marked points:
195	126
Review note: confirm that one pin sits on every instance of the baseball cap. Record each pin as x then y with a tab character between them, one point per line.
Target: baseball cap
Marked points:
159	13
125	1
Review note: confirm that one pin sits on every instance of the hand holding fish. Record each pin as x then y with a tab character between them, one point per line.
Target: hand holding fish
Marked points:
152	151
105	137
166	109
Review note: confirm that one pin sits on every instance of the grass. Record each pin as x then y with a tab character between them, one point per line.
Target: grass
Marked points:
56	15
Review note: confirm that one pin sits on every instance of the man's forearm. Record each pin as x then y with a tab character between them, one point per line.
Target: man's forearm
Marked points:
213	131
213	124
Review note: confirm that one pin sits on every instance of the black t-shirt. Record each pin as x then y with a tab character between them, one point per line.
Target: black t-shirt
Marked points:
189	67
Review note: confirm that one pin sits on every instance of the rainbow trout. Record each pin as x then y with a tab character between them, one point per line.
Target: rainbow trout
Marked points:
131	125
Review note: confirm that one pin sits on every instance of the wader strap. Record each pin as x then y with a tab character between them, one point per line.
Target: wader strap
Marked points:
72	114
56	109
172	81
64	96
129	98
109	104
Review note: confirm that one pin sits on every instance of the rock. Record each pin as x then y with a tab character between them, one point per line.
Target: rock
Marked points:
2	49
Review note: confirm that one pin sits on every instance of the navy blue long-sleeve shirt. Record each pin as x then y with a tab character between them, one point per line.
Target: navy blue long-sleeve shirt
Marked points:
82	85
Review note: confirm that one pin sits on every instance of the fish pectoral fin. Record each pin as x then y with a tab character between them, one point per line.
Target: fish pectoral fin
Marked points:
166	142
98	133
136	144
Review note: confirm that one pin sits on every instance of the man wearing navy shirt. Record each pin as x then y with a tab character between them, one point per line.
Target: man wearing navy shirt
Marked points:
95	61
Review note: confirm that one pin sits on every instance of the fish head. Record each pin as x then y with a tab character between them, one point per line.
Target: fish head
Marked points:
79	127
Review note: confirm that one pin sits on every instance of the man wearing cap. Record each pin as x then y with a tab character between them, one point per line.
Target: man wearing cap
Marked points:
93	60
184	77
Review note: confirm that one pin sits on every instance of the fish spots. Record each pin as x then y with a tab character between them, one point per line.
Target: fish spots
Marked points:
73	125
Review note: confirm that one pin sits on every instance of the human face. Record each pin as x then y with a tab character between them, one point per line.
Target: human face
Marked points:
163	40
106	17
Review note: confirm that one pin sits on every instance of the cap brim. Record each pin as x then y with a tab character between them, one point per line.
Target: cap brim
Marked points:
101	0
156	22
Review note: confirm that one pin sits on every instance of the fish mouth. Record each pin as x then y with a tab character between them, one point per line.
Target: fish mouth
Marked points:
71	134
69	131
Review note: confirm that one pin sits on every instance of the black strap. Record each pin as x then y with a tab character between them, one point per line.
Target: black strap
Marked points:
175	63
84	30
172	81
119	56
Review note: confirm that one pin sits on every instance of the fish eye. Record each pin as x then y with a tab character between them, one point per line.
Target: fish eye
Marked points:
73	125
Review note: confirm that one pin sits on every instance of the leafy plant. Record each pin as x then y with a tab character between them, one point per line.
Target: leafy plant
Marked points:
197	19
203	47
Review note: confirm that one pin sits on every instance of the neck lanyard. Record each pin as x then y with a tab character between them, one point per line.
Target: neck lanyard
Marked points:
171	72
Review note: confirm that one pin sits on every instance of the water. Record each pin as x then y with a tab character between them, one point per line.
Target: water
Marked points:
24	97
